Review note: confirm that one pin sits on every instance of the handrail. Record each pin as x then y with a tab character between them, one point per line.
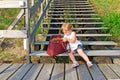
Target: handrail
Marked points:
36	26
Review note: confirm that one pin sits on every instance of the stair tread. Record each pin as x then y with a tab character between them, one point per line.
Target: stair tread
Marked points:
85	43
75	23
89	28
73	11
72	4
70	8
88	52
72	18
72	14
82	35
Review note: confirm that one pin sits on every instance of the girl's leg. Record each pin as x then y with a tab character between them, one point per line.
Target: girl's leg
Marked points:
83	55
72	57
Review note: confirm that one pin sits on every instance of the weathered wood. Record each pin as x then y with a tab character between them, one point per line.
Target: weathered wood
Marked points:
73	18
52	6
8	72
71	4
88	52
39	21
21	72
70	73
85	43
33	72
109	74
13	34
3	67
91	28
45	72
83	73
115	68
58	72
70	1
71	8
13	4
16	19
96	73
81	35
78	14
76	23
35	7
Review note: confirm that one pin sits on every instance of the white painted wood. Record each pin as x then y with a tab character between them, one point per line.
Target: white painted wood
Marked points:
3	67
13	4
13	34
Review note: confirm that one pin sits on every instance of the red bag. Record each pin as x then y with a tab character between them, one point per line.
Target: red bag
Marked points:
56	45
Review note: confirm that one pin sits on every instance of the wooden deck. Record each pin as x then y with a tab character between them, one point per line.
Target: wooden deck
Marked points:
59	72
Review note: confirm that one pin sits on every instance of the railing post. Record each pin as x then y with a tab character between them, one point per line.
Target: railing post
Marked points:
41	14
47	10
27	26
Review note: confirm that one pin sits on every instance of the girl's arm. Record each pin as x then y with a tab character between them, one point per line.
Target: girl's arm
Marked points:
73	39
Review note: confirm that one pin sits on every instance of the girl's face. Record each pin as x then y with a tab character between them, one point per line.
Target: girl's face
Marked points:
67	32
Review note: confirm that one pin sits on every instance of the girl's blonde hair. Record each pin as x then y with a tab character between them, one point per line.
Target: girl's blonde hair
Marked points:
66	26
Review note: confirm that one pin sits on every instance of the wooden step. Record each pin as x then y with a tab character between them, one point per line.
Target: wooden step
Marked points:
84	43
69	1
88	52
75	23
81	35
73	18
72	4
72	11
70	8
89	28
72	14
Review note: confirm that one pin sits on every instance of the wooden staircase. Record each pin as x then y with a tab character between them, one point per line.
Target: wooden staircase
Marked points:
81	14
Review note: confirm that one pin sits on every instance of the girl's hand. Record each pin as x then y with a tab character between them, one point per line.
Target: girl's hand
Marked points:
65	39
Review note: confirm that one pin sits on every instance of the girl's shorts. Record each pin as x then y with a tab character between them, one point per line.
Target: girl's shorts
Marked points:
80	46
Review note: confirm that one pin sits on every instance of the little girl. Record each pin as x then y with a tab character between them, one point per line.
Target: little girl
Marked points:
75	45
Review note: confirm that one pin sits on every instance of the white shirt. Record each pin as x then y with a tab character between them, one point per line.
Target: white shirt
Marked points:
74	45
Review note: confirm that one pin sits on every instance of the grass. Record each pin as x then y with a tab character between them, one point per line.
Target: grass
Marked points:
109	10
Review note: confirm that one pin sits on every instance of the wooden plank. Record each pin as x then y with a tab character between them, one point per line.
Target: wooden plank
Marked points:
13	34
45	72
88	52
33	72
70	8
70	73
108	73
52	6
72	18
81	11
8	72
3	67
19	74
115	68
83	73
13	4
85	43
70	1
16	19
96	73
72	4
81	35
35	7
58	72
36	26
76	23
72	14
91	28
